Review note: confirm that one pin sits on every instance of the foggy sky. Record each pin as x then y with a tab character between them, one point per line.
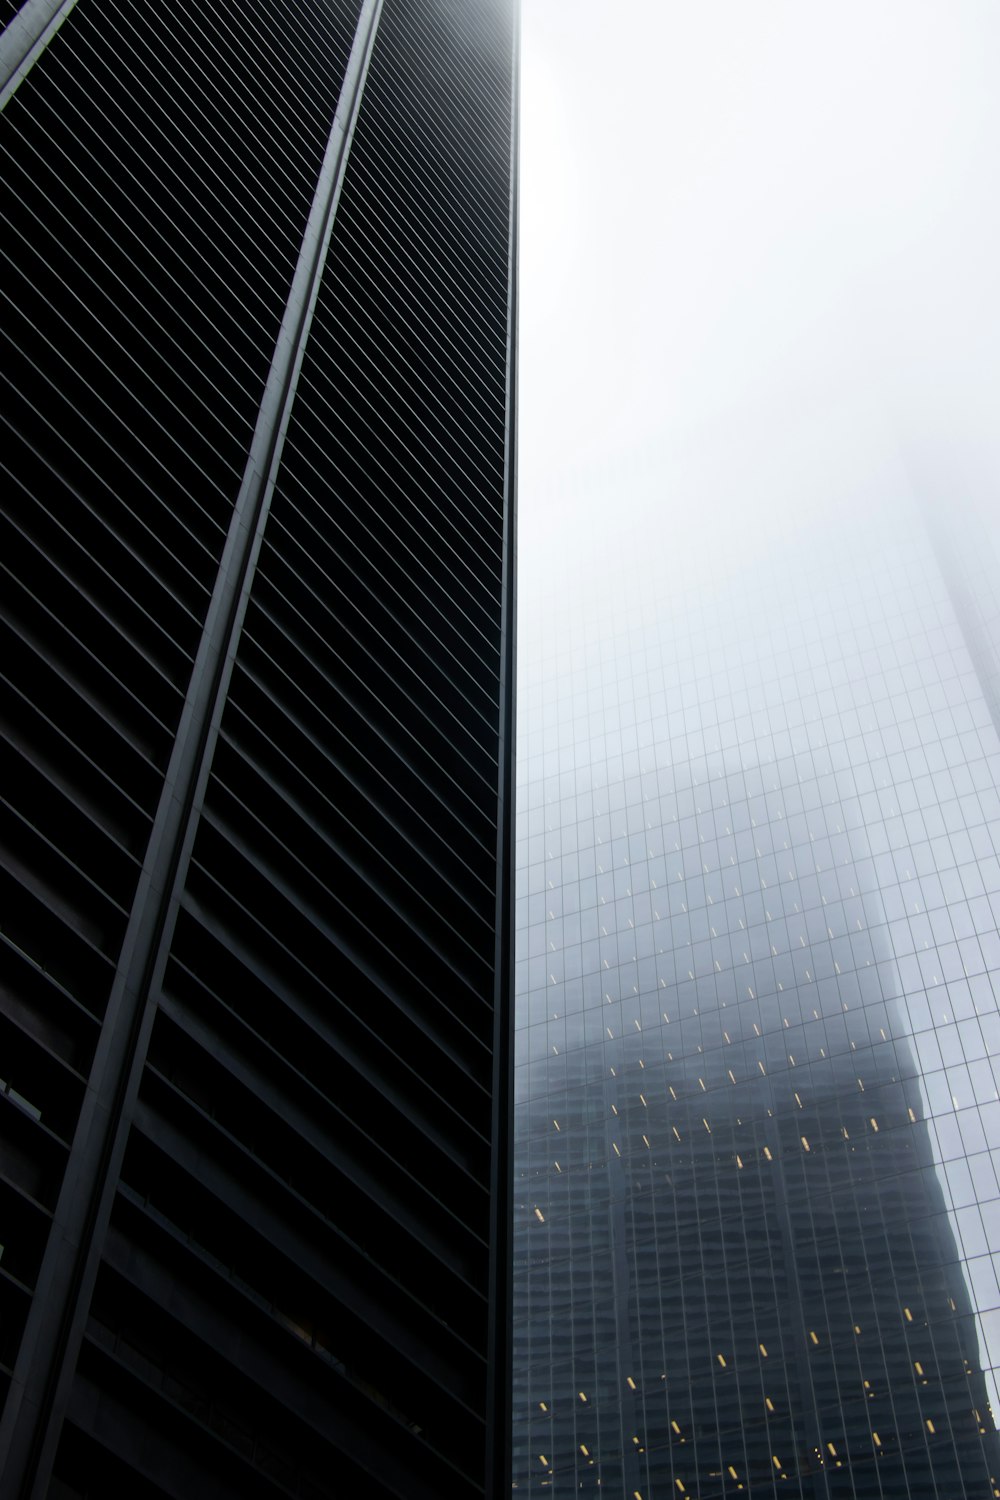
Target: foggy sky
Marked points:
759	242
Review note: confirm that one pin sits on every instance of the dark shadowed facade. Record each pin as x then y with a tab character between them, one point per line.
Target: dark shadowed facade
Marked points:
257	307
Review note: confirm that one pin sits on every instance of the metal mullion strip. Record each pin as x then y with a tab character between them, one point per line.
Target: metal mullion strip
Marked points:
287	711
204	1035
141	561
432	488
83	1022
461	253
412	393
75	230
397	751
43	1377
253	923
63	905
139	653
445	381
441	219
345	630
252	317
65	790
228	235
323	475
380	700
411	254
451	101
216	108
324	478
381	597
139	481
25	39
430	105
387	588
171	439
455	208
73	749
104	438
475	609
499	1364
418	386
420	432
232	737
88	307
102	665
450	192
369	877
489	42
426	132
298	58
116	587
281	63
89	122
339	1232
430	1000
369	251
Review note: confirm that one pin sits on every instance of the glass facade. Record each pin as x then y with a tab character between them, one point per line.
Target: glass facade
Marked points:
757	1125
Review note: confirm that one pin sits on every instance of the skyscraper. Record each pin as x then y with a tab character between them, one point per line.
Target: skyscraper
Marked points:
258	312
757	1115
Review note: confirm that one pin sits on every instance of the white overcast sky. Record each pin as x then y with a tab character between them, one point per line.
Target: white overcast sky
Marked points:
760	243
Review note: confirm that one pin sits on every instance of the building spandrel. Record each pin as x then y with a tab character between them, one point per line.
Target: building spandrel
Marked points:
757	1115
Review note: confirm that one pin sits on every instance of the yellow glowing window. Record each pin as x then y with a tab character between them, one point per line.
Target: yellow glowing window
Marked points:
877	1440
722	1360
675	1427
776	1461
832	1449
543	1406
874	1124
539	1216
763	1349
769	1403
930	1425
814	1336
805	1143
584	1450
680	1486
907	1315
581	1395
630	1382
767	1153
542	1459
733	1472
918	1367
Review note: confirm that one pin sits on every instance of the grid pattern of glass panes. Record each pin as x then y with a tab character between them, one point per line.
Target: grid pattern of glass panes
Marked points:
758	1037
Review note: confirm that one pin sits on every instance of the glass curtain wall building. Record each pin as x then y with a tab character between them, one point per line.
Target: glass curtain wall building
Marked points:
758	1032
257	307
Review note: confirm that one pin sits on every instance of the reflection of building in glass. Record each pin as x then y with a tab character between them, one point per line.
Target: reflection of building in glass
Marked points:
756	1195
256	550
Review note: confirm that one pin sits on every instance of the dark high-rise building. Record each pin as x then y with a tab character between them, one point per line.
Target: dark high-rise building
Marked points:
757	1148
257	301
